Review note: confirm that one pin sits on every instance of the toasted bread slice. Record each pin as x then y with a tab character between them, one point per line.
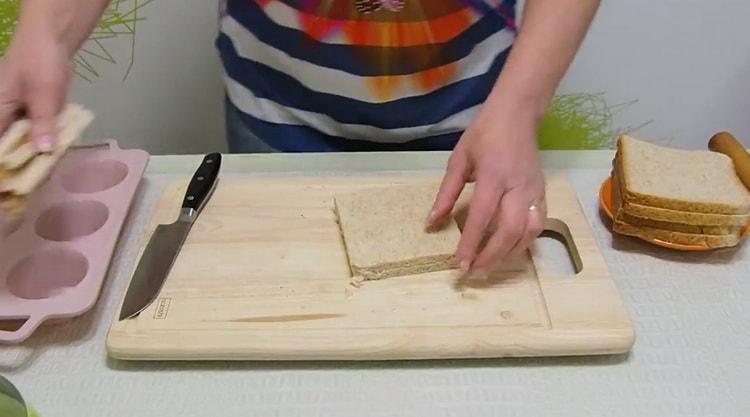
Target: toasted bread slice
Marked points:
677	179
384	231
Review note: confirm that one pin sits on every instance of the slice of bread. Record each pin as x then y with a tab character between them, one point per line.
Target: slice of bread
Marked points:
711	241
385	235
625	224
678	227
685	217
674	216
677	179
630	224
23	169
14	137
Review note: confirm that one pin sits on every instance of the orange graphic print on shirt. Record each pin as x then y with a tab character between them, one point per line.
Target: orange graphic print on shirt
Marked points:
426	27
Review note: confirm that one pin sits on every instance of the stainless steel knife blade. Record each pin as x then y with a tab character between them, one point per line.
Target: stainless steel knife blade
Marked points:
165	244
154	266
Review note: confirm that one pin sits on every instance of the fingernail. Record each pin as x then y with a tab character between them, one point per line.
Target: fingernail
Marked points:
477	273
45	143
431	216
465	265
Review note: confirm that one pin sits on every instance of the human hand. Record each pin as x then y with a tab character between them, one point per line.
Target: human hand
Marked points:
34	82
499	153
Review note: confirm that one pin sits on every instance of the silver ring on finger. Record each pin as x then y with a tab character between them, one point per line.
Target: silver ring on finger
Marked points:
536	207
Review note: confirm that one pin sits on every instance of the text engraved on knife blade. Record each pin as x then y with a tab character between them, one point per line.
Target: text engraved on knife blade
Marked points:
154	266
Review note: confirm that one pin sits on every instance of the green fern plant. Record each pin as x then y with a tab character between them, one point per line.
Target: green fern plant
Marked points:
120	20
581	121
8	14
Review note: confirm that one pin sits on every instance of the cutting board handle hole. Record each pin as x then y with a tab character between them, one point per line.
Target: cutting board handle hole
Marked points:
550	249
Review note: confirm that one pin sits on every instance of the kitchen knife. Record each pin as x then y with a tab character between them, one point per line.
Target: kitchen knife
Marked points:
165	244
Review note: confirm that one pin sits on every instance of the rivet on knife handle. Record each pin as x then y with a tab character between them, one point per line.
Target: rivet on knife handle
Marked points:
201	186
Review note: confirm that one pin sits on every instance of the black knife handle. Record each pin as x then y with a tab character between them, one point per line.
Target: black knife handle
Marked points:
203	182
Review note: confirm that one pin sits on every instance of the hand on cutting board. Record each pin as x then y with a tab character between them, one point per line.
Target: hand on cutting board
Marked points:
499	153
34	81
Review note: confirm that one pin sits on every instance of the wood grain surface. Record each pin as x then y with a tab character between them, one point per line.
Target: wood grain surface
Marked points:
264	276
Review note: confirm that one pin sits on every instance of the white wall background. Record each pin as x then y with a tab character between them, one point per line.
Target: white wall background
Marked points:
172	99
686	62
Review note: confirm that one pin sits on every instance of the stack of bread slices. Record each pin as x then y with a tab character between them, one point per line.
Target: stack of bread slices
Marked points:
677	196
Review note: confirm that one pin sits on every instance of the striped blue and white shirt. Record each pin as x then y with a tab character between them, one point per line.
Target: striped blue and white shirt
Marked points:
338	75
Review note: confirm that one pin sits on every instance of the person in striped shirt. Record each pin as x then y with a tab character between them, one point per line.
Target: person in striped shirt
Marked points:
362	75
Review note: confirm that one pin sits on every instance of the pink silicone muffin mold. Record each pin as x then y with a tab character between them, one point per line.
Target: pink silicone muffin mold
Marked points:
54	260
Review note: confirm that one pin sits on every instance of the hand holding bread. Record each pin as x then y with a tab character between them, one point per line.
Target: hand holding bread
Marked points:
35	75
23	167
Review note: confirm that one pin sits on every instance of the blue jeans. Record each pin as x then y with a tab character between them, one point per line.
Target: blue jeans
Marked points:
239	138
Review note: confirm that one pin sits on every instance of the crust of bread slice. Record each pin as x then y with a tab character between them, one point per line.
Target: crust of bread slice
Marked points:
678	179
384	232
711	241
23	169
14	136
675	216
18	157
12	206
679	227
25	179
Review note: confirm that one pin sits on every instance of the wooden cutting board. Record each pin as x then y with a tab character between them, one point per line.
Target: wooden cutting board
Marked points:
264	276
